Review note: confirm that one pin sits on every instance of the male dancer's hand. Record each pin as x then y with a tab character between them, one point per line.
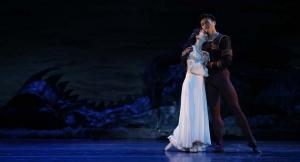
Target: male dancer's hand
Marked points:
187	50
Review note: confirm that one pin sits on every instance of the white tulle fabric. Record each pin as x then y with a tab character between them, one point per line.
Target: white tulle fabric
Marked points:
192	133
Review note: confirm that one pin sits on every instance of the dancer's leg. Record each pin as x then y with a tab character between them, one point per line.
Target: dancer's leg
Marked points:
231	98
213	100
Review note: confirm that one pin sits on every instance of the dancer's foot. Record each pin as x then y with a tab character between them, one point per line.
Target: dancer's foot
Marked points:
168	147
215	149
254	148
219	149
193	150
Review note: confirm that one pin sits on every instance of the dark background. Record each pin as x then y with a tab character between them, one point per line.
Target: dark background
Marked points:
103	47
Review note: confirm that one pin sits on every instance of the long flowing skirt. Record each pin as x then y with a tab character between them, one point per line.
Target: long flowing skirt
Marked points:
192	132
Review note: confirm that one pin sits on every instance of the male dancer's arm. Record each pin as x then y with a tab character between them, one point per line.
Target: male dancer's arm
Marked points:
226	55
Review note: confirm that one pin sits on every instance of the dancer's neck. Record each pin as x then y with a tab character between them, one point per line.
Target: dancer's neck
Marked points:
199	44
213	36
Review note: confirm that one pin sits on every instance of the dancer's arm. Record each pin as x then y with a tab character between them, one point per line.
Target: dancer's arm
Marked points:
226	55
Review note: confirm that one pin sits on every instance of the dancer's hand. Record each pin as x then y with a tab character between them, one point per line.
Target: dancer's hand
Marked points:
187	50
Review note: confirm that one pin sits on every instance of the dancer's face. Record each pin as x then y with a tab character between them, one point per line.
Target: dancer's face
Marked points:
208	25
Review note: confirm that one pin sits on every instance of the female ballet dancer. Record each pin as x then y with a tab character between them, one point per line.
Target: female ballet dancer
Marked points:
192	132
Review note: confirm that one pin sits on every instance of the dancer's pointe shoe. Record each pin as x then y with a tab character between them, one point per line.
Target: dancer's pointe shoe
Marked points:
254	148
193	150
168	147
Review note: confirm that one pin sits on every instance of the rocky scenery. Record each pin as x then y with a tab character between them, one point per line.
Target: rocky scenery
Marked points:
112	68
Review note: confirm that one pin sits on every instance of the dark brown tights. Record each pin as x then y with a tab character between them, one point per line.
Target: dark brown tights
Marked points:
219	85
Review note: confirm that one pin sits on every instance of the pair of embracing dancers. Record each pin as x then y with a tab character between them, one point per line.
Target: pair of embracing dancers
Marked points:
207	54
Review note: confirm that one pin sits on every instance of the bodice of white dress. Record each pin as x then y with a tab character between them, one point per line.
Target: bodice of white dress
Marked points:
197	60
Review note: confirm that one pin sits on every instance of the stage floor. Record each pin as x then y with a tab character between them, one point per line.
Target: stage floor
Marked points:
139	151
